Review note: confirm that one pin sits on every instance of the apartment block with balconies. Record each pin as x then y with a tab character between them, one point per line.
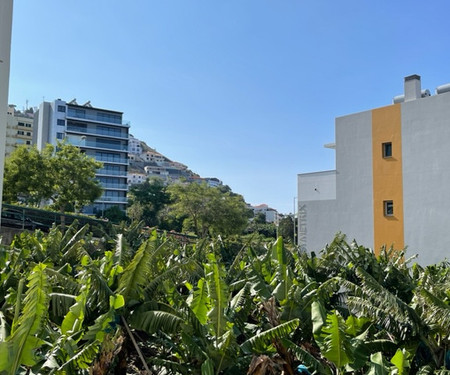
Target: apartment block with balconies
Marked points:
19	129
99	133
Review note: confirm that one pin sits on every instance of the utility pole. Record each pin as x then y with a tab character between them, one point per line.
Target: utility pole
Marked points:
6	8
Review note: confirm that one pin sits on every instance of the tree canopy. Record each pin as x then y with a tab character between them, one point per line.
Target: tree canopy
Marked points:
208	210
147	199
63	175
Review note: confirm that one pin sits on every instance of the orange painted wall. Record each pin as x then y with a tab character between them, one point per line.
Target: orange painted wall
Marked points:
387	177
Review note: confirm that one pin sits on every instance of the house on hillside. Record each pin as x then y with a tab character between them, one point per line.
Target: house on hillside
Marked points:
271	214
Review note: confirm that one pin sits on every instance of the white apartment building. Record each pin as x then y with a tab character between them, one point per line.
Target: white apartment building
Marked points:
136	178
100	133
19	129
153	157
392	179
134	146
271	214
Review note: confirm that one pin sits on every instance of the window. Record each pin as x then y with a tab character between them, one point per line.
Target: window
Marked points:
20	132
29	134
77	112
388	208
109	117
59	135
60	122
61	108
28	142
387	150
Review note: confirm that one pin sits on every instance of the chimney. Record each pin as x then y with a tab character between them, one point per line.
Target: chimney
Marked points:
413	89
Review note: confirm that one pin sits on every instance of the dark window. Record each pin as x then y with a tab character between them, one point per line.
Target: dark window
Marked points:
109	117
388	208
76	112
59	135
28	142
387	150
61	108
60	122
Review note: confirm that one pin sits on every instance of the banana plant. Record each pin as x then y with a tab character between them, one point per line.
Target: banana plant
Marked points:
20	347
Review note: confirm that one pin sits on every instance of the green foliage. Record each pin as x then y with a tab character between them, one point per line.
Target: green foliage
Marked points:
62	175
260	218
114	214
286	228
267	230
262	340
20	347
208	210
68	306
26	176
147	200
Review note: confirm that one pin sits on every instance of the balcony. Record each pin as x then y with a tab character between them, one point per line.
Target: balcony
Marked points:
113	199
111	159
114	186
112	134
97	118
105	146
109	172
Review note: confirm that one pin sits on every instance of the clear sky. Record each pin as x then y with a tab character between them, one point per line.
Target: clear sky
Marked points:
243	90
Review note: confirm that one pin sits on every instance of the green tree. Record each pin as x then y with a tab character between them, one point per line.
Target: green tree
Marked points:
63	175
208	210
286	228
26	177
114	214
74	177
147	200
260	218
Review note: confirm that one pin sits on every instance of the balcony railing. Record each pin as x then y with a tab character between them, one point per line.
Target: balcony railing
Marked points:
109	172
96	132
105	146
112	199
109	159
114	186
97	118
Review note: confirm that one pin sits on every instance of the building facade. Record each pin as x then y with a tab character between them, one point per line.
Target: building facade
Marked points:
6	10
391	182
134	146
99	133
19	129
270	214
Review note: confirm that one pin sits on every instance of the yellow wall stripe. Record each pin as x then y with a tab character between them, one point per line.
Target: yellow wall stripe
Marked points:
387	177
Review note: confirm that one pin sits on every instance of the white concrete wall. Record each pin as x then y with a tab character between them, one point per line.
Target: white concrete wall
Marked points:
426	177
317	224
41	125
317	216
317	186
354	180
6	8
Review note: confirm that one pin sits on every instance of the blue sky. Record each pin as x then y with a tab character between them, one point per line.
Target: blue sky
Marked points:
243	90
